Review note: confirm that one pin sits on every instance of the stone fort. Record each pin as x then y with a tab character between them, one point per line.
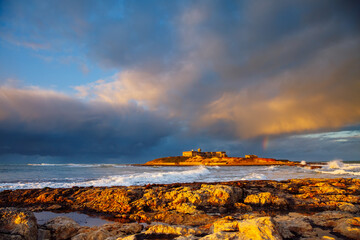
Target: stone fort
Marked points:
193	153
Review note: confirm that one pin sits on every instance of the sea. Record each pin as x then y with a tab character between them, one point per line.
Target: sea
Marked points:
28	176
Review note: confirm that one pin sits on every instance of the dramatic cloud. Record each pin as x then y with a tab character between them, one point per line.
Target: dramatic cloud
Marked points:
223	71
242	74
36	121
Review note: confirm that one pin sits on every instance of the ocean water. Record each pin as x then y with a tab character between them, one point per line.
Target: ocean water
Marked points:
24	176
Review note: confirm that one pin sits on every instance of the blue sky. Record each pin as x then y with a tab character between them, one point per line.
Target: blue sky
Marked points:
128	81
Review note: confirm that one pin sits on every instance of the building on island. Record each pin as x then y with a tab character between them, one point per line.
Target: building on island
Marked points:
193	153
251	156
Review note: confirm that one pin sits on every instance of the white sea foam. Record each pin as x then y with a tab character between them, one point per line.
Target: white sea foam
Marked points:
254	176
335	164
151	178
213	167
337	167
272	168
341	172
76	165
164	177
69	175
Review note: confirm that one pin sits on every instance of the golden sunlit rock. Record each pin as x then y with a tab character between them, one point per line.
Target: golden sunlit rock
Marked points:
306	208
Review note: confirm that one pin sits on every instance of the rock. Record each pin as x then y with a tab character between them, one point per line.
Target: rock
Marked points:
200	205
107	231
131	237
349	227
130	228
54	207
4	236
44	234
99	234
62	227
189	237
243	207
171	229
256	228
17	224
187	208
328	218
347	207
216	195
175	218
294	224
227	224
322	188
265	198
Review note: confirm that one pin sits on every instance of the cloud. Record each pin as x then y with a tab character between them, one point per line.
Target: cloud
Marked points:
221	70
253	76
320	94
37	121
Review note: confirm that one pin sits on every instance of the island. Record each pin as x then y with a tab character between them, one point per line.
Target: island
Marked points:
220	158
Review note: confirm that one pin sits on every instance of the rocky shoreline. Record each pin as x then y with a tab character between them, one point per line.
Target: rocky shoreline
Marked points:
291	209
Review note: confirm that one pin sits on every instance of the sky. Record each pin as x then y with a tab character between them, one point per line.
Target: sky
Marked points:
129	81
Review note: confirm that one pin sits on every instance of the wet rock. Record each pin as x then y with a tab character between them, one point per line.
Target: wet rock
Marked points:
171	229
349	227
62	227
17	224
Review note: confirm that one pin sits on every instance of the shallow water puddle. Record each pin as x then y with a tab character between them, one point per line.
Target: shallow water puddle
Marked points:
82	219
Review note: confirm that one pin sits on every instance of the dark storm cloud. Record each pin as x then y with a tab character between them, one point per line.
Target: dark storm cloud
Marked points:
227	70
35	121
237	61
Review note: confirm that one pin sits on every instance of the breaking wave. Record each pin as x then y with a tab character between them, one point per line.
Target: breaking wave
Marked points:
335	164
338	167
164	177
152	178
254	176
76	165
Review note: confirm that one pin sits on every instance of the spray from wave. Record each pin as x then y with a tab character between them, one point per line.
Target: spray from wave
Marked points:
338	167
335	164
